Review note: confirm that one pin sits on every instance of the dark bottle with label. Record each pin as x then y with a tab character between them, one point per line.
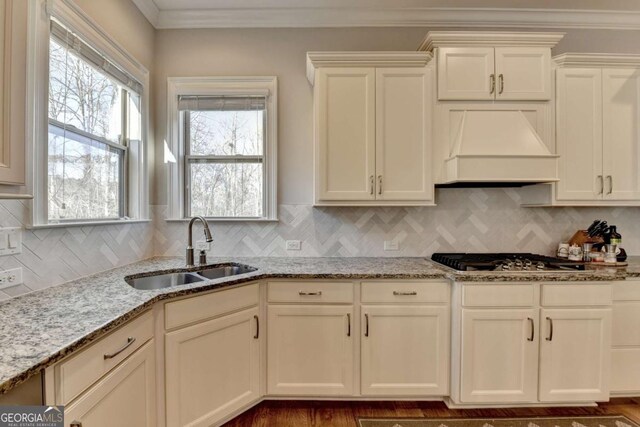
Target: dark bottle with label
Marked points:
615	238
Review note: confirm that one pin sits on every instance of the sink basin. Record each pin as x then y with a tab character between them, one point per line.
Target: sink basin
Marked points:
160	281
164	280
225	270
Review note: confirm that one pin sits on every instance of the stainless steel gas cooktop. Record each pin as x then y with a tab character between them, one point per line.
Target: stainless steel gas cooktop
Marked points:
504	262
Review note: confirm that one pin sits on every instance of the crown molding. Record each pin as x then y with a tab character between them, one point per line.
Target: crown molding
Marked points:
435	39
597	60
364	59
300	17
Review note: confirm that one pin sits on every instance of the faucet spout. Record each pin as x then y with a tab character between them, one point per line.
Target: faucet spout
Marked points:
207	235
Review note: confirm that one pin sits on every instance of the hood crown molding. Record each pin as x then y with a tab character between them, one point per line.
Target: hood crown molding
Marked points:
392	16
597	60
435	39
364	59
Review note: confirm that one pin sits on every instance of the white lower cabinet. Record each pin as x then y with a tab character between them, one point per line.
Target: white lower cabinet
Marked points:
625	353
552	345
499	355
125	397
575	355
310	350
405	350
212	369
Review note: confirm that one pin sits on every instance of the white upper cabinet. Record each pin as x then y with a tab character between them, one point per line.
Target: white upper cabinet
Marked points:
486	73
403	149
492	66
345	131
598	138
466	73
579	134
523	73
372	128
621	133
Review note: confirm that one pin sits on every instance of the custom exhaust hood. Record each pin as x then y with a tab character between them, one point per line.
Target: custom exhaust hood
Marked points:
497	148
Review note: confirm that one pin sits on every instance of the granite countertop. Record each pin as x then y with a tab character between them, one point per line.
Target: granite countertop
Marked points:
42	327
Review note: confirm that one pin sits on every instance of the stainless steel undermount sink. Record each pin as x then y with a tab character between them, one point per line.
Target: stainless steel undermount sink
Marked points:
160	281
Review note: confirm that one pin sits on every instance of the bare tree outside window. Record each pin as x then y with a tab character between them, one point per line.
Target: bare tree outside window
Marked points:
87	147
225	159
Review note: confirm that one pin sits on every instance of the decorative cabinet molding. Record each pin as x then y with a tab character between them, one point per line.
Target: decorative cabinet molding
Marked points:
372	128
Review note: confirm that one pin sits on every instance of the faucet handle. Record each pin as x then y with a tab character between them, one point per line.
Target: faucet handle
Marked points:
203	257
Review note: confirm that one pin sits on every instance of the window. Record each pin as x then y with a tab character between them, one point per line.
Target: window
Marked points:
93	112
226	141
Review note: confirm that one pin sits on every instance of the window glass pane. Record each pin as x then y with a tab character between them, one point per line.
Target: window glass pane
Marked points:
226	189
82	96
84	177
226	133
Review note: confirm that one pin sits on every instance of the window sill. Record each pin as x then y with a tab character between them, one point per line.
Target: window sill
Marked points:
87	223
226	219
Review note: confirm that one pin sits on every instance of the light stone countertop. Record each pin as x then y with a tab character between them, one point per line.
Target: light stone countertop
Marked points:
42	327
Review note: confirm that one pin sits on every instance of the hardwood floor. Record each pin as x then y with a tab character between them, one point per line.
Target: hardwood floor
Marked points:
344	414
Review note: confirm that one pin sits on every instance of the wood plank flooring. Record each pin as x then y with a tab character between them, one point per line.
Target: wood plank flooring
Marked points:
344	414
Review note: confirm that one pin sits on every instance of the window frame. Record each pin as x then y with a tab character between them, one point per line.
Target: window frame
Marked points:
135	205
176	152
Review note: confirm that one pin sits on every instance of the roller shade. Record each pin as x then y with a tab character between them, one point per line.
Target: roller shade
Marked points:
222	102
72	42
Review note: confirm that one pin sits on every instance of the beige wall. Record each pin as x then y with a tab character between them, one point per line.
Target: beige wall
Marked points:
281	52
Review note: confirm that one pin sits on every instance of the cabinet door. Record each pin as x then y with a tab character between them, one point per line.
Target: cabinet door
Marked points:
499	356
125	397
403	143
466	73
523	73
310	350
345	133
405	351
212	369
579	134
575	354
621	133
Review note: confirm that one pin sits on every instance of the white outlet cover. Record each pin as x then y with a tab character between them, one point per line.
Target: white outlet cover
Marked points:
293	245
9	278
390	245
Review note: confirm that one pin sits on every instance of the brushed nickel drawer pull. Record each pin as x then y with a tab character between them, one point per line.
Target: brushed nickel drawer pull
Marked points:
492	80
533	330
310	294
379	184
410	293
130	341
601	180
348	324
610	178
550	337
257	319
366	325
501	80
371	184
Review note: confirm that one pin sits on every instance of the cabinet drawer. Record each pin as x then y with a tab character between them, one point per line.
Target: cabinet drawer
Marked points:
499	295
626	291
576	294
401	291
310	292
626	324
77	373
190	310
625	362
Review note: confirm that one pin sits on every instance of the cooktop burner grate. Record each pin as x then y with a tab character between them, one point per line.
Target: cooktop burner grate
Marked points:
504	262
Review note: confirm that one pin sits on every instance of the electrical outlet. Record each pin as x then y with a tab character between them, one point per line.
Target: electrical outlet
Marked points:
9	278
390	245
293	245
203	245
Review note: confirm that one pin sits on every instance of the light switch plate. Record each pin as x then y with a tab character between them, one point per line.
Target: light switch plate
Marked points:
10	241
293	245
9	278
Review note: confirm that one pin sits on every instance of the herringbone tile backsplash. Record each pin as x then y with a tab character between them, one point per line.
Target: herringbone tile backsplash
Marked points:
464	220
